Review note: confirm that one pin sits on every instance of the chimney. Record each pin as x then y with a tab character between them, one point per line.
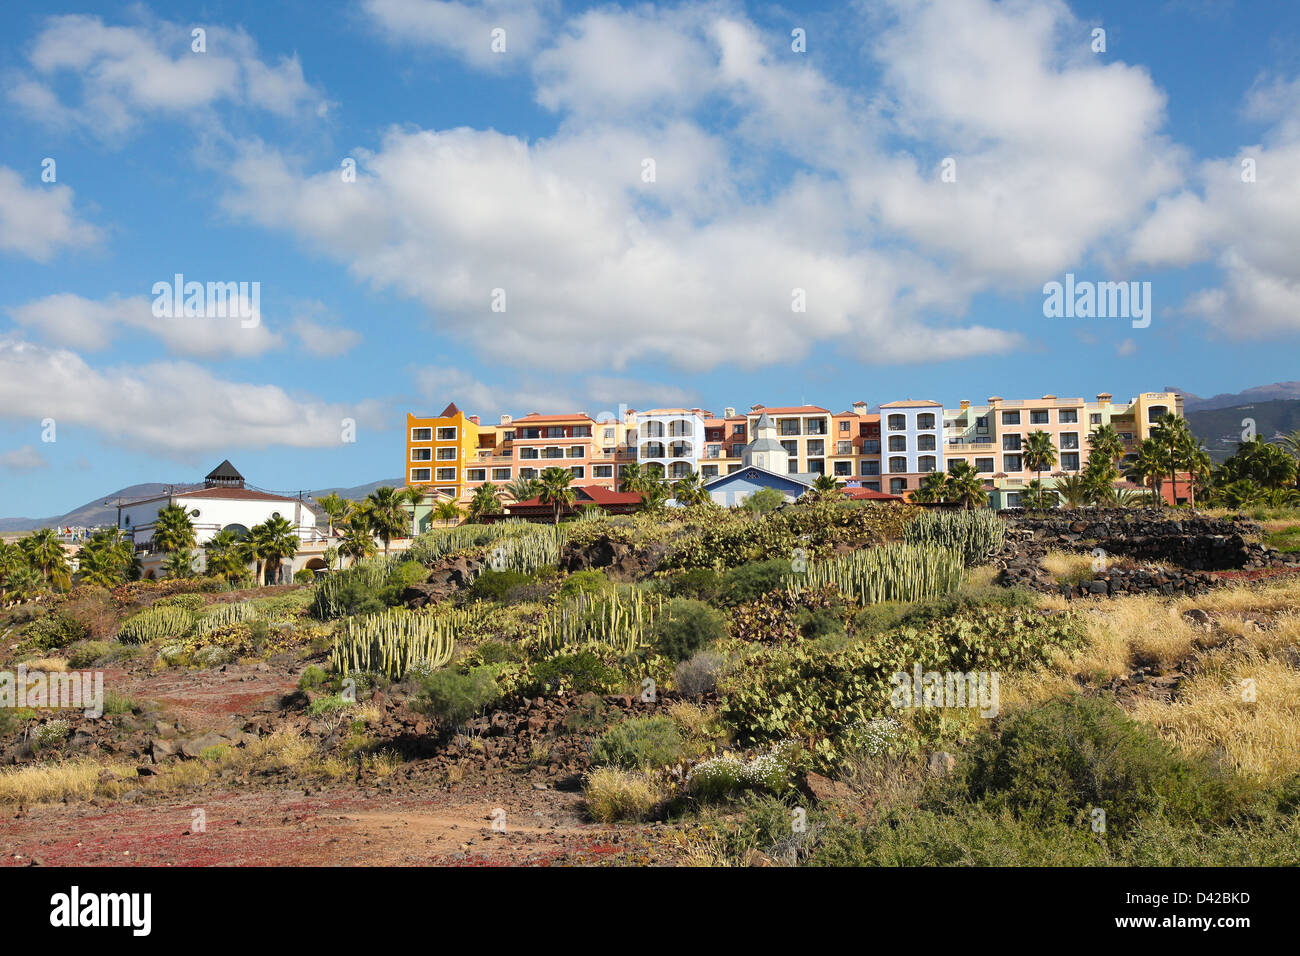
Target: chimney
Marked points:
505	419
965	404
994	400
728	412
859	408
474	419
1103	398
1049	398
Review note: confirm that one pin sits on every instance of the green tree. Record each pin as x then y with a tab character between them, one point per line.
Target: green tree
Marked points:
689	489
335	508
1148	467
107	559
523	489
763	500
631	478
485	501
1039	497
965	487
173	531
933	489
179	564
1039	453
44	553
385	510
358	535
1074	490
1105	448
447	511
556	490
272	541
226	556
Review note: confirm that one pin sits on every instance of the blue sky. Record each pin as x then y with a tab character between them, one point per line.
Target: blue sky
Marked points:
524	170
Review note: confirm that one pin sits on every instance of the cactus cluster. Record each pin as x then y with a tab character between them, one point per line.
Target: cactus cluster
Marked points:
623	622
221	615
530	544
896	572
978	535
371	573
395	640
526	551
156	623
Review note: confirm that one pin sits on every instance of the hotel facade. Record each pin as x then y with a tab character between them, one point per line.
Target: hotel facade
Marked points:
890	449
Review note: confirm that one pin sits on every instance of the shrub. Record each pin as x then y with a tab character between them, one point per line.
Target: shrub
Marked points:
750	581
687	626
582	672
819	622
304	576
613	794
186	602
454	697
721	778
87	654
699	674
312	677
641	743
1055	763
584	582
212	656
330	704
497	585
53	631
703	584
50	734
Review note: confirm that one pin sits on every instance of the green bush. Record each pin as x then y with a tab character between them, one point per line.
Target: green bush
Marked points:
582	672
584	582
329	704
312	677
54	631
699	675
819	622
87	654
497	585
688	626
454	697
1055	763
703	584
304	576
642	743
748	582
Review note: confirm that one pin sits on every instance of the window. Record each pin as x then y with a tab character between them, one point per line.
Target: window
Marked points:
1013	499
1094	418
419	474
603	471
792	466
897	485
529	453
845	426
421	454
791	448
925	443
1155	412
898	443
788	426
926	463
1010	418
446	434
554	431
1010	463
1039	416
446	491
500	474
816	446
816	466
897	465
871	467
816	426
871	446
509	435
1070	461
447	454
731	468
924	422
446	474
984	466
982	424
552	452
1069	440
609	434
709	471
1011	443
873	485
844	468
578	471
527	472
476	474
1068	416
897	423
844	448
577	451
580	431
421	434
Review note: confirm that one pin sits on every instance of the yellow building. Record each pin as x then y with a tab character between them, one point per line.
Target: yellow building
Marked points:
439	449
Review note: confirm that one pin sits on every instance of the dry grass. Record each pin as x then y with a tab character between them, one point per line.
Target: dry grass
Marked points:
51	782
614	794
47	665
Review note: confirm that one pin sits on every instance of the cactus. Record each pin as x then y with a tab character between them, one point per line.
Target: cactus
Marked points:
978	535
222	615
156	623
623	623
395	640
896	572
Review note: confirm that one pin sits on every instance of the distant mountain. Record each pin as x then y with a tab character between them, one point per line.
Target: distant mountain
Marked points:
1221	428
1260	393
93	513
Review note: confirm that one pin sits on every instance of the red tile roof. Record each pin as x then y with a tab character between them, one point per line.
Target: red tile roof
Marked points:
594	494
793	410
451	411
534	417
235	494
869	494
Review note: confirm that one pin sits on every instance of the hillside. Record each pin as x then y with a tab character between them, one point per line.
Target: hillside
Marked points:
1278	391
1221	428
93	513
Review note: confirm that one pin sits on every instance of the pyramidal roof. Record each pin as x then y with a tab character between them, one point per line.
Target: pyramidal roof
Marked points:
224	470
451	411
763	422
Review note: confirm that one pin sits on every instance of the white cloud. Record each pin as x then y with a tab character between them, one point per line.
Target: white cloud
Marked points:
172	408
465	29
324	340
25	458
37	221
124	73
91	325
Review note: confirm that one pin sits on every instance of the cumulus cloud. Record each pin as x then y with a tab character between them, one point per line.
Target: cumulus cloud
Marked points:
37	221
172	408
465	29
24	458
121	74
92	325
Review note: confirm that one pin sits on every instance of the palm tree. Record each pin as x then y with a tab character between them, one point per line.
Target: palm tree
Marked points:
1265	464
107	559
631	478
179	564
655	496
1175	438
1039	453
1074	490
173	531
44	552
414	496
273	540
1038	497
385	510
1242	493
358	538
486	501
689	489
1148	468
1105	447
523	489
965	487
335	508
225	555
934	488
446	511
556	490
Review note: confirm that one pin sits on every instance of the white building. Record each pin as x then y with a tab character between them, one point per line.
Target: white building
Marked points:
672	438
223	503
911	442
